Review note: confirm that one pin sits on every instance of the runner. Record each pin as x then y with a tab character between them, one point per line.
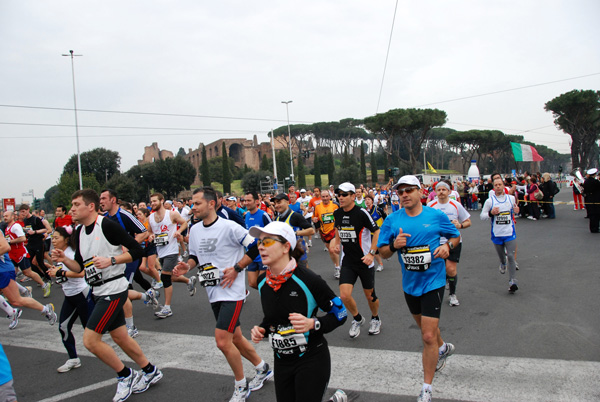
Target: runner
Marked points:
217	248
78	301
290	297
61	217
461	219
502	207
416	231
35	231
255	217
99	252
301	226
357	257
324	220
378	214
166	227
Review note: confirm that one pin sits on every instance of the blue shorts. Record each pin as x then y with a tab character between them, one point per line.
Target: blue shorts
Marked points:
130	269
5	278
23	264
256	266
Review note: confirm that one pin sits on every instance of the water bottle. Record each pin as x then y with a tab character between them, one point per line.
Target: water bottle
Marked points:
339	396
473	173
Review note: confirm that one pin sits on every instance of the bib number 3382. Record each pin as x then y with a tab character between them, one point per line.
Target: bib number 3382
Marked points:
417	258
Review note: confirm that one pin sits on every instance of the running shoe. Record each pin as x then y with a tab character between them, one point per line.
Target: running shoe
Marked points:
355	328
379	268
517	265
152	298
240	394
336	272
132	331
454	301
374	327
69	365
261	376
192	285
147	379
447	284
425	396
46	289
310	243
513	288
125	386
185	256
164	312
50	314
442	358
338	396
28	292
14	320
157	285
502	269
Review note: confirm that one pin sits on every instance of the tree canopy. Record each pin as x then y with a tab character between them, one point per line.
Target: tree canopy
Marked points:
102	163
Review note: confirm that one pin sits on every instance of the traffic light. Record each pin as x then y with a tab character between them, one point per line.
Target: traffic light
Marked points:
389	173
559	168
37	203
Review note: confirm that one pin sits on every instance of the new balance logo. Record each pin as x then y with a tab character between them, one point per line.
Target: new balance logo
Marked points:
207	245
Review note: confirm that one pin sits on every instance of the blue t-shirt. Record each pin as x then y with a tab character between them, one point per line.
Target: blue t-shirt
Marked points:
6	264
425	272
296	207
261	219
5	372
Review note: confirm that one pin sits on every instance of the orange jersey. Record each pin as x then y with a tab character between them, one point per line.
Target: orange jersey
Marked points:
325	214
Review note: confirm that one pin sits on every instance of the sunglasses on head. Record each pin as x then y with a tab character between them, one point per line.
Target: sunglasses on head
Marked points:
407	190
268	241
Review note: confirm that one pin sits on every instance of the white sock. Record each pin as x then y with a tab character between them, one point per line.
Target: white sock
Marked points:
168	306
22	289
260	366
144	297
241	383
129	321
6	307
427	387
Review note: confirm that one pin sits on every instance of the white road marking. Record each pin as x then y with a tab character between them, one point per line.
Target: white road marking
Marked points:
466	377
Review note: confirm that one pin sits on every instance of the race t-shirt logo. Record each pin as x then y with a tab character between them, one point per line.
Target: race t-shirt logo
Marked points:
207	245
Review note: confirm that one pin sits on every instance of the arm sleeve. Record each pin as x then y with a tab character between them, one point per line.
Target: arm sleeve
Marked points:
117	236
78	257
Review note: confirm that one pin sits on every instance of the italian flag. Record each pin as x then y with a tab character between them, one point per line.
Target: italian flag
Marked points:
525	153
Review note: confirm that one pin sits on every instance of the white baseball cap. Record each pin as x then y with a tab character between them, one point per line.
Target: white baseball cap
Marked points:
592	171
408	179
277	229
346	187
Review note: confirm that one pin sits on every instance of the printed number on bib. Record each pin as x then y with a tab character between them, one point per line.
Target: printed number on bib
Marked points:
61	279
417	258
208	275
503	218
327	218
286	340
347	234
161	239
91	273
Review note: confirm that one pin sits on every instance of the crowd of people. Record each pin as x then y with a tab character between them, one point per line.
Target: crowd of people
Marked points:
96	250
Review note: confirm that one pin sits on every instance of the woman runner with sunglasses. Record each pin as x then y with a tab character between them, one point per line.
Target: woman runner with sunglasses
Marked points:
290	297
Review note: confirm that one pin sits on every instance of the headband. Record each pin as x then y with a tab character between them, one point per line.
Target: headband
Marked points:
443	184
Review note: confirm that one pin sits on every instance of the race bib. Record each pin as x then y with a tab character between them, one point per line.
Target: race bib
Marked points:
503	218
327	218
92	275
208	275
27	229
416	258
161	239
61	279
347	234
287	341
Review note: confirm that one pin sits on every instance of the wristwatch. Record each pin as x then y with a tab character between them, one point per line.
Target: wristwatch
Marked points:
113	261
317	324
372	252
451	245
237	268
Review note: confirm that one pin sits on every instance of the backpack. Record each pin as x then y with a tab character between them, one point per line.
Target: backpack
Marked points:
538	195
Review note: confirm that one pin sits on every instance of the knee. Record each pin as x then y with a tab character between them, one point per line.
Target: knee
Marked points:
90	343
223	343
166	280
429	337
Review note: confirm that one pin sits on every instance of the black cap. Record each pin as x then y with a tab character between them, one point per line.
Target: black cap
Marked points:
281	196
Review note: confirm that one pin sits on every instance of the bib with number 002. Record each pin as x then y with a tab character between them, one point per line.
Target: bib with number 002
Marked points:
416	258
208	275
287	341
91	273
503	218
61	279
161	239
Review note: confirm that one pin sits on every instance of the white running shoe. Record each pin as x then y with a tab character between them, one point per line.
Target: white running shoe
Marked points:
379	268
69	365
261	376
146	380
502	269
152	296
28	292
164	312
336	272
454	301
14	320
310	243
425	396
46	289
50	315
375	327
442	357
132	331
125	386
192	285
240	394
355	328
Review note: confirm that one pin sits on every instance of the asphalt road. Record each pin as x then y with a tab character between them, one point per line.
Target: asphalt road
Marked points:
540	344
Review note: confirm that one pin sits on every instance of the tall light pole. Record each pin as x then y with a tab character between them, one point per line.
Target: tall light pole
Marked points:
75	109
289	137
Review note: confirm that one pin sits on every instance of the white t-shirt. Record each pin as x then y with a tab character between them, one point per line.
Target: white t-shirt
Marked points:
72	286
221	245
453	210
304	201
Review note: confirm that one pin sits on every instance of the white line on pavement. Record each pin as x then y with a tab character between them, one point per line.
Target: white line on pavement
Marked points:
466	377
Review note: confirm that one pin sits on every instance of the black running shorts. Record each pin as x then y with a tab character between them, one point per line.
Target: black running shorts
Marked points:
428	305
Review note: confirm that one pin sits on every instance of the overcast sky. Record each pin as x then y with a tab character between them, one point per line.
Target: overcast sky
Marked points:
229	64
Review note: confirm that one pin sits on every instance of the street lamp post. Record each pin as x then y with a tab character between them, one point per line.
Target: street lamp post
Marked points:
75	109
289	137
